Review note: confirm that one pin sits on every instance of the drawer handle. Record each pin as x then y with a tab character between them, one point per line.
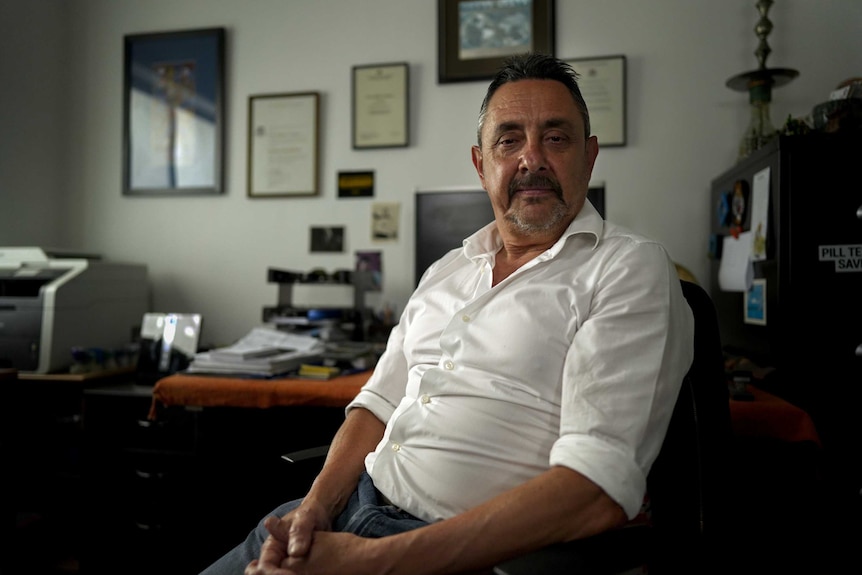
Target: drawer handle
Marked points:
149	475
147	424
147	526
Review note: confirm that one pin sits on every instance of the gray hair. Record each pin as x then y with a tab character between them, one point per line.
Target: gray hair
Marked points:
534	66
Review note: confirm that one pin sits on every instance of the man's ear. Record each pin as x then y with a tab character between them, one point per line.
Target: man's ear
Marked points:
477	163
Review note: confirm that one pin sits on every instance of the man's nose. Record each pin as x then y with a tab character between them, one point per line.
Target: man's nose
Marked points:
532	158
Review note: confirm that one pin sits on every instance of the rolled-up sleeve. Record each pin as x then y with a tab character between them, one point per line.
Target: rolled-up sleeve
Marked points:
623	373
384	389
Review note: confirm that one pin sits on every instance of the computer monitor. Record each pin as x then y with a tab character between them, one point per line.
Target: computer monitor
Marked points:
445	217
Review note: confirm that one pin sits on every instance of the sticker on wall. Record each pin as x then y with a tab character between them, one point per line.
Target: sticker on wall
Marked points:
759	214
847	258
355	184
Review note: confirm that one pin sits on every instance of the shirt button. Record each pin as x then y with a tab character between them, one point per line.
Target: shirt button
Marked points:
449	365
396	447
465	318
425	399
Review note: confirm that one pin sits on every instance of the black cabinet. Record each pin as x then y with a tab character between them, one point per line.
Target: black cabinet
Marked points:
813	273
174	493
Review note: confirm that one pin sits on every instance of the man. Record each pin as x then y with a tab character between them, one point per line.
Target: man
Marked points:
526	390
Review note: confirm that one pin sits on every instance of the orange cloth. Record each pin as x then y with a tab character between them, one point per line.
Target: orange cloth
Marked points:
218	391
770	416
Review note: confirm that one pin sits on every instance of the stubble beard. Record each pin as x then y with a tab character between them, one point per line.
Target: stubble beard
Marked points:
518	216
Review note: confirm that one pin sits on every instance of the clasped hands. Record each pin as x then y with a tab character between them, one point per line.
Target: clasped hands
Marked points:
302	543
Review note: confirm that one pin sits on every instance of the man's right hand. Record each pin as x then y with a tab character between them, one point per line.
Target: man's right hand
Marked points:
290	535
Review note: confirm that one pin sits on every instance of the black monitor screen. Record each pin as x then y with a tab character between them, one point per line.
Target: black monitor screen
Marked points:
445	218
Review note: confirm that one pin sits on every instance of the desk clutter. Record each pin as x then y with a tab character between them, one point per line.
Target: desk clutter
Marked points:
267	351
329	306
319	327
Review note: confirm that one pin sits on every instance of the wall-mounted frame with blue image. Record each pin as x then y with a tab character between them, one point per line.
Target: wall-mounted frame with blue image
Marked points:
755	303
173	112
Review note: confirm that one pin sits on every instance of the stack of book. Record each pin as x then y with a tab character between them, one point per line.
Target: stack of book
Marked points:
314	371
264	352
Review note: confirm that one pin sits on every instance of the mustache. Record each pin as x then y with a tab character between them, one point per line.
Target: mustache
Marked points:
532	181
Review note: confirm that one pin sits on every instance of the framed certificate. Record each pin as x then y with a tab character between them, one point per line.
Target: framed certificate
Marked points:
476	36
603	86
283	139
381	106
173	112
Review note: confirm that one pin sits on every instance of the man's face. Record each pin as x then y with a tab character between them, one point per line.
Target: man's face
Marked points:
534	161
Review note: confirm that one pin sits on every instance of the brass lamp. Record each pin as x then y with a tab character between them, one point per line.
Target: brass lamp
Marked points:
759	84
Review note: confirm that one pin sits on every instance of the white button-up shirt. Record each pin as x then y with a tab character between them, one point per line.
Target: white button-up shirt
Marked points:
575	359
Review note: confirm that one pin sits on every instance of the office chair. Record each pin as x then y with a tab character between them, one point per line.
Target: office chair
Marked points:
687	484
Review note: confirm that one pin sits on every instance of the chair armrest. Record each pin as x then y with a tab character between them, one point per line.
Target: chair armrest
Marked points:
616	552
303	454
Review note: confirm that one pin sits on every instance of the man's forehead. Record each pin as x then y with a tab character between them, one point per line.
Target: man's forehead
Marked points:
532	100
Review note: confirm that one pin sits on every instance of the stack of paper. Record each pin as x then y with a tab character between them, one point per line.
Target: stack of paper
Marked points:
263	352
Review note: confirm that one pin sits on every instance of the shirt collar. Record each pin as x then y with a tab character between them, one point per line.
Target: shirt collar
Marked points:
485	242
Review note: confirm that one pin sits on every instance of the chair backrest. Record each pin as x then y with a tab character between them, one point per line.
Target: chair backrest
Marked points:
688	483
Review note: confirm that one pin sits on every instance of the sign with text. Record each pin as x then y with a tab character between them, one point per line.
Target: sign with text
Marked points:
847	258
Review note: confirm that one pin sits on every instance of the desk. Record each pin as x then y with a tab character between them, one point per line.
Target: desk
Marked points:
215	391
765	416
776	481
769	416
155	455
41	438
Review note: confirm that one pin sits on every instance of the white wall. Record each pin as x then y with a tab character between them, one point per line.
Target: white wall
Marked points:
62	66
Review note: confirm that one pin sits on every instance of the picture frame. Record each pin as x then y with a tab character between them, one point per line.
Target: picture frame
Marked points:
283	144
173	112
602	81
381	106
476	36
754	310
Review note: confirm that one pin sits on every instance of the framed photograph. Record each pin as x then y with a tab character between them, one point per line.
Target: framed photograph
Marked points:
603	86
327	238
381	106
283	140
173	112
476	36
384	221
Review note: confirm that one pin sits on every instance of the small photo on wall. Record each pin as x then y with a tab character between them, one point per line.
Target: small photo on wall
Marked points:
384	221
370	263
327	239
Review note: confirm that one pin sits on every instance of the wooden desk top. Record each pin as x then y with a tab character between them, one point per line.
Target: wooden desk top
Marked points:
218	391
766	416
76	377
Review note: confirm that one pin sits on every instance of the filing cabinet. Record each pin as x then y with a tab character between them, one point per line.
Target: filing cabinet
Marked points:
813	285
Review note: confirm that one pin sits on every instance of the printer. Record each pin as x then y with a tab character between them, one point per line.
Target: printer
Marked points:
51	302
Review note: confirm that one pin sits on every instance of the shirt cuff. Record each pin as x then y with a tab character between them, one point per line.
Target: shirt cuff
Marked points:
374	403
605	465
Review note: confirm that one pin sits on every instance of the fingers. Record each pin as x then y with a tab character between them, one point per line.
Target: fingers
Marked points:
297	529
273	554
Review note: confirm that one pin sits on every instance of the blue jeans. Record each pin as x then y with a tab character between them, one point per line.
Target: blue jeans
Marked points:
365	515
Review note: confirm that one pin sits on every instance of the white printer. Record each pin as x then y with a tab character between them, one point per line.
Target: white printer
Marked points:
50	303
